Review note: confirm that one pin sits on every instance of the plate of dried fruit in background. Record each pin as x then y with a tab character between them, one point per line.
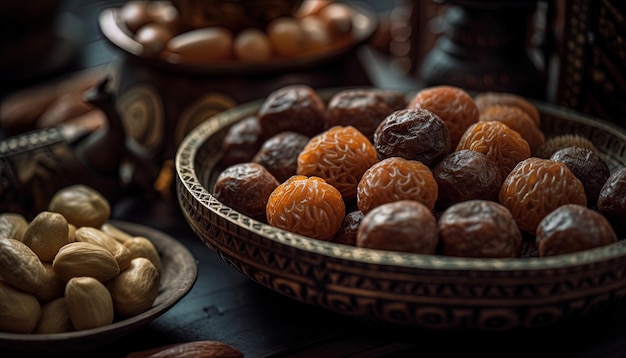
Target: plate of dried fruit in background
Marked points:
243	37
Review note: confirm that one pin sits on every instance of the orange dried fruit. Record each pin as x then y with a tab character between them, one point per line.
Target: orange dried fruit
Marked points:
535	187
452	104
498	141
519	121
307	206
486	99
394	179
339	155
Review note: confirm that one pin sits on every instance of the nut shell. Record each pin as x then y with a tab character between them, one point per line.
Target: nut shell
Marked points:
81	206
135	289
85	259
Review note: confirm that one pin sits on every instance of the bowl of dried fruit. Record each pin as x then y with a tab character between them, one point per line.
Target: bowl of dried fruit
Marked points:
236	37
74	280
436	210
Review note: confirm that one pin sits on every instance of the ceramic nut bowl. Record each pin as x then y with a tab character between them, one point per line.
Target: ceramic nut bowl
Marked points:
401	289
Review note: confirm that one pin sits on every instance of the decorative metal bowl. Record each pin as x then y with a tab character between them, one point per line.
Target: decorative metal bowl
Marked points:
402	289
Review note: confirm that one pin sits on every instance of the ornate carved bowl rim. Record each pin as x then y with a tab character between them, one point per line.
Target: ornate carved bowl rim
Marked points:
187	174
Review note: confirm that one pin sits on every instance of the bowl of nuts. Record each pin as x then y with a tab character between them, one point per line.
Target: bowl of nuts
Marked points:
236	37
73	280
433	210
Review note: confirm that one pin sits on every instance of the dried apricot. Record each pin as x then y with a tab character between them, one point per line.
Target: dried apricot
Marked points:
394	179
466	175
588	166
499	142
279	154
452	104
339	155
245	187
296	108
479	228
573	228
535	187
517	120
487	99
363	109
413	134
306	206
404	226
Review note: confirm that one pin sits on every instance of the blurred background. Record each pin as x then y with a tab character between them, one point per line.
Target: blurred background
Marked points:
568	53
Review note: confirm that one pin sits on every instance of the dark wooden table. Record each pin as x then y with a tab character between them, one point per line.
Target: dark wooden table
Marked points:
224	305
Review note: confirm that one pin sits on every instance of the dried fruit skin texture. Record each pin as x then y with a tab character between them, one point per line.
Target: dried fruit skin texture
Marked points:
362	109
243	139
588	166
405	226
612	200
348	230
487	99
245	187
452	104
340	156
466	175
306	206
296	108
279	154
395	179
414	134
535	187
479	228
572	228
499	142
517	120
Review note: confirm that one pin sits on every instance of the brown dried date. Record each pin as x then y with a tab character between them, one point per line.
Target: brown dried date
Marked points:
588	166
452	104
466	175
404	226
612	200
413	134
348	230
245	187
279	154
296	108
363	109
573	228
479	228
243	139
